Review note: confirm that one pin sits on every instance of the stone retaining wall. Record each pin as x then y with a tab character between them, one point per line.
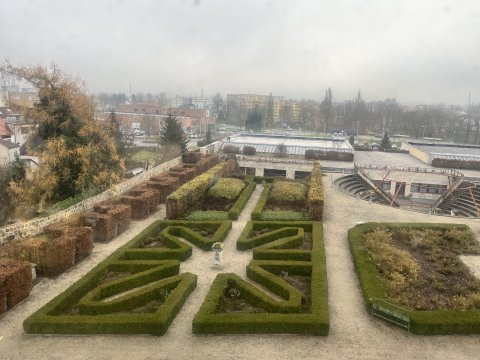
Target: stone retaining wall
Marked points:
36	225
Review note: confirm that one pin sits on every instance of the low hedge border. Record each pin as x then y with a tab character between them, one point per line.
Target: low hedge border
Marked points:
316	194
437	322
159	276
262	200
242	200
265	272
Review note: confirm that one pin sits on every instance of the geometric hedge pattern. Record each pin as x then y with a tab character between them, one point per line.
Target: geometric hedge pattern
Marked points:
283	253
137	289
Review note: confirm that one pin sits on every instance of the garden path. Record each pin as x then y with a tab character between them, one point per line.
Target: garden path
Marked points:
201	264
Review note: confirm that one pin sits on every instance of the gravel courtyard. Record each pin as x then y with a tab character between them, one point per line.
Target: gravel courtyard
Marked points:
353	334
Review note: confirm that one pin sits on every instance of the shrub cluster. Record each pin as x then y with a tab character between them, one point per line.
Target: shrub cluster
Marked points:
227	188
288	191
231	149
249	150
315	200
314	154
191	192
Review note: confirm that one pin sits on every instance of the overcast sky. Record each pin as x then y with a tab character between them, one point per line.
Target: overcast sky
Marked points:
421	51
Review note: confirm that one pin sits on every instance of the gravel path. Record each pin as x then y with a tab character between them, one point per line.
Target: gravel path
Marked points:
353	334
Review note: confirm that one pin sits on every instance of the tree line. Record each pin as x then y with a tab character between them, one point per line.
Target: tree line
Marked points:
358	116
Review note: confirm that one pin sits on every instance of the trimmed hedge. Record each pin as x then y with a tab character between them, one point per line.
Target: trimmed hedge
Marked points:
191	192
207	215
242	200
79	310
227	188
284	190
283	215
257	211
280	316
316	195
436	322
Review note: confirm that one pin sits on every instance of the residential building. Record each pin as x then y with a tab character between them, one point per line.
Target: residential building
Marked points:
8	151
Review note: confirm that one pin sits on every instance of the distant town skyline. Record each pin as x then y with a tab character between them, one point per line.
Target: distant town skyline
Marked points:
419	52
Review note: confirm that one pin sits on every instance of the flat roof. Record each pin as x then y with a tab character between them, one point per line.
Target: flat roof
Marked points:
295	144
399	159
450	151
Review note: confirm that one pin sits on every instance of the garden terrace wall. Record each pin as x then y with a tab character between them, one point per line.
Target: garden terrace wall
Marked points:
436	322
15	282
35	226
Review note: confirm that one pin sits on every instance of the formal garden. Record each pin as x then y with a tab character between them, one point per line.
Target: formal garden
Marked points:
410	274
139	288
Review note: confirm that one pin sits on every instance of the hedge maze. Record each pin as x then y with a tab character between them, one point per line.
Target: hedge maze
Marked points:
288	261
411	272
137	289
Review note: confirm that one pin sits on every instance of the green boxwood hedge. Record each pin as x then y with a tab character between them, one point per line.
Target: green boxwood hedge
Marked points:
257	211
436	322
79	309
280	316
234	211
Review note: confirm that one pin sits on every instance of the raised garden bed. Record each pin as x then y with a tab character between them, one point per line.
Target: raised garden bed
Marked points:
224	200
282	200
289	261
288	200
413	270
136	290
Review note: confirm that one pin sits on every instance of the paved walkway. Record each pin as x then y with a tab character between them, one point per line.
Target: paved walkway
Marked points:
353	334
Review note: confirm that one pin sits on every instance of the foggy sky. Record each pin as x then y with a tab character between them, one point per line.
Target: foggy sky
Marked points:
421	51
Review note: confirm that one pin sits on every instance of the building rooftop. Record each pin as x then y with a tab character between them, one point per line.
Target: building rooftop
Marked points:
453	151
8	144
296	145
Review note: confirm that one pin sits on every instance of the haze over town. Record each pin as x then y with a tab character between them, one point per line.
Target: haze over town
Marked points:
419	52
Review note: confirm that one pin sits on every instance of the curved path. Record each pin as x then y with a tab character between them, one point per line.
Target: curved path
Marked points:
353	334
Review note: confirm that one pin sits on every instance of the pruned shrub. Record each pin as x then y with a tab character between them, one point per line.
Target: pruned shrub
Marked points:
190	193
231	149
227	188
15	282
288	191
249	150
315	198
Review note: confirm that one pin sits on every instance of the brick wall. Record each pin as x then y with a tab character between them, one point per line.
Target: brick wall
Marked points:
36	225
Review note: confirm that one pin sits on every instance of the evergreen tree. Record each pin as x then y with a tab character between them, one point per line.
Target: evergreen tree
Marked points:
112	128
172	133
254	120
351	140
208	137
386	142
